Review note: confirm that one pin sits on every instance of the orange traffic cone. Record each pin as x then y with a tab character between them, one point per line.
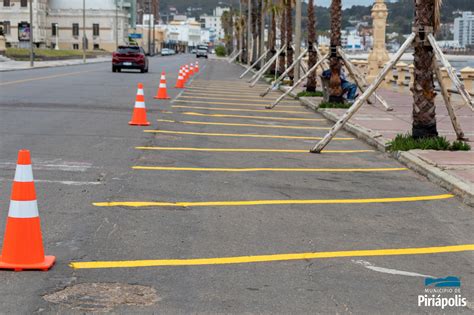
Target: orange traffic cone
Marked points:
23	243
161	93
196	67
191	70
186	71
180	81
139	111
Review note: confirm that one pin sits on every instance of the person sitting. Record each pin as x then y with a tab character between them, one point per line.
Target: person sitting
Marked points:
347	87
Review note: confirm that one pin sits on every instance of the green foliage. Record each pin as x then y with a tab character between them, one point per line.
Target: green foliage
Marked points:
309	94
334	105
407	142
220	51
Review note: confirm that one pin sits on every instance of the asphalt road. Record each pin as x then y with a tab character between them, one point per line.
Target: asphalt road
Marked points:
106	217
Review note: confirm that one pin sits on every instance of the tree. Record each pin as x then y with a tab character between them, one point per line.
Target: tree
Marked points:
282	56
312	56
227	19
275	11
289	39
424	117
335	90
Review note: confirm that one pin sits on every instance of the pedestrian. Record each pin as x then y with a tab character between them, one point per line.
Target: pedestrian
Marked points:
347	87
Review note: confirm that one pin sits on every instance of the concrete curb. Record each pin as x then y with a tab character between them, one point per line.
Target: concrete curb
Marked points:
89	61
458	187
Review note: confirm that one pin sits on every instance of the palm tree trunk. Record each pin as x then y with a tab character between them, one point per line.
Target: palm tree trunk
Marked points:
312	56
254	30
272	42
289	40
424	115
282	56
335	90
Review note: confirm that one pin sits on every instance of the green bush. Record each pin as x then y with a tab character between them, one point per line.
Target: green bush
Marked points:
24	54
407	142
309	94
334	105
220	51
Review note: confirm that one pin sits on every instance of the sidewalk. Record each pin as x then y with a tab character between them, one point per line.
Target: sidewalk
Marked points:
452	170
12	65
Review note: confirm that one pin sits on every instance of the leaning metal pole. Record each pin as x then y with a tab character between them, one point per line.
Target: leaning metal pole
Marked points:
259	74
265	53
283	75
278	100
235	57
360	100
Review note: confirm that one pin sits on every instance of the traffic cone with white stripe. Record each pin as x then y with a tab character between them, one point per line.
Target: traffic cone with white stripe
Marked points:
23	243
180	81
186	72
191	69
161	93
196	67
139	111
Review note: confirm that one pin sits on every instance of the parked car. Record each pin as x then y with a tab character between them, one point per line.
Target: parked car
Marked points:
201	51
166	52
193	51
129	57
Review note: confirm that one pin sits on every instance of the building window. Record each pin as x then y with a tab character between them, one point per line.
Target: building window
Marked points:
6	3
75	29
24	3
54	29
6	27
95	29
96	47
75	46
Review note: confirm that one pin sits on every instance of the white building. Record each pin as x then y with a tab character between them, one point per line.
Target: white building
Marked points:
188	32
464	29
61	22
213	23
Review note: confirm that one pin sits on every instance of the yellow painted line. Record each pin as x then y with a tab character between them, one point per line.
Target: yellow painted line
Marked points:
233	104
136	204
246	150
237	94
265	169
243	125
211	97
272	257
44	77
242	110
214	89
211	134
253	117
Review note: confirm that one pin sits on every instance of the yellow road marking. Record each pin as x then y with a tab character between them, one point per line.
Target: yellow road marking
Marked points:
45	77
214	89
267	202
200	93
246	150
272	257
210	97
210	134
264	169
242	110
243	125
253	117
233	104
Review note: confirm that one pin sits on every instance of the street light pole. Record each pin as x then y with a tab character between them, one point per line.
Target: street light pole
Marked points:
249	31
116	24
149	27
241	33
57	36
297	38
32	52
84	31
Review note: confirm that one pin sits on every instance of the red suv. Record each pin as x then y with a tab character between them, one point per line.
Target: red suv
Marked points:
129	57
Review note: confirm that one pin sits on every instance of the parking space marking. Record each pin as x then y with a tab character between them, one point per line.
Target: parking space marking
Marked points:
221	89
247	150
266	169
272	257
138	204
232	104
242	110
250	94
230	92
210	134
211	97
253	117
242	125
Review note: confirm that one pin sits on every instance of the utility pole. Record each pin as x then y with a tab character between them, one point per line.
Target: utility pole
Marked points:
297	38
149	27
154	21
32	52
57	36
241	33
84	31
116	24
249	31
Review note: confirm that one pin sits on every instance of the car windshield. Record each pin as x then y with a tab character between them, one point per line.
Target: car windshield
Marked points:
202	47
128	50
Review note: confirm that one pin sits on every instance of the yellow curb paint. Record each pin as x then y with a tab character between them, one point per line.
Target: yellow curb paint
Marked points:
210	97
136	204
45	77
210	134
264	169
243	125
272	257
232	104
253	117
242	110
246	150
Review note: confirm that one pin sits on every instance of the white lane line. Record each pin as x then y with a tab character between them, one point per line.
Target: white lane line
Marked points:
57	165
63	182
370	266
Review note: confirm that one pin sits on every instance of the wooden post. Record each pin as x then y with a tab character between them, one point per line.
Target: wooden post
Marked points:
265	67
235	57
447	102
283	75
360	101
278	100
254	64
457	83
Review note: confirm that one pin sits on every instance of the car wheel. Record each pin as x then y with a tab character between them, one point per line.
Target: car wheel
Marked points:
146	70
142	70
114	69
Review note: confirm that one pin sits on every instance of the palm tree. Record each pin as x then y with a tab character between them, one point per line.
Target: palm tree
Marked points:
282	56
424	116
274	10
289	39
335	90
312	55
228	26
